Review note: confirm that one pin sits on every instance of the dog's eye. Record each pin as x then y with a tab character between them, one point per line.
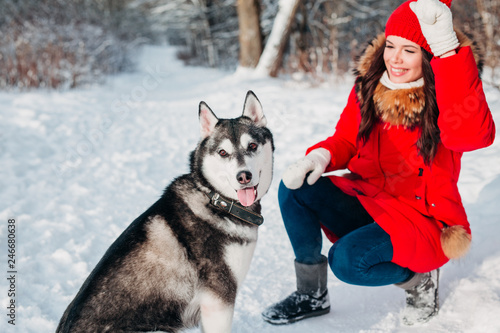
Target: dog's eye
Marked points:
223	153
252	146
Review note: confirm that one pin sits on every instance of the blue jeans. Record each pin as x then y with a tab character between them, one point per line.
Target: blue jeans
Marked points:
363	253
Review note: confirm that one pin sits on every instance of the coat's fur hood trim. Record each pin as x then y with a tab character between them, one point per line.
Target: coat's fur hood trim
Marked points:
400	107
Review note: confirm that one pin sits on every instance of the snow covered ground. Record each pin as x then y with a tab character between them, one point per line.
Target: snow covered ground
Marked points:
76	167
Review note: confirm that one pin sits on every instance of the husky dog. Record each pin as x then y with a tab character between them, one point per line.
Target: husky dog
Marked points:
181	262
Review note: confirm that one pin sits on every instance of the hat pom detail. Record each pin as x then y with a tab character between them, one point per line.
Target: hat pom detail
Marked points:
446	2
455	241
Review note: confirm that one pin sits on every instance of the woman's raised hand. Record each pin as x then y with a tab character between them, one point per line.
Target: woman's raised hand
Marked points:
436	23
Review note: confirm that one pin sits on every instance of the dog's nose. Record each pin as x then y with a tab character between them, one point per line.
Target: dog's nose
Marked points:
244	177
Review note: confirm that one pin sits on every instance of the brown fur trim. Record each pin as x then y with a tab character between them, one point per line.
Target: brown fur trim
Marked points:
455	241
400	106
364	61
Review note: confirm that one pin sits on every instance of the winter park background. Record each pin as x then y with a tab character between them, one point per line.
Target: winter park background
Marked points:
78	165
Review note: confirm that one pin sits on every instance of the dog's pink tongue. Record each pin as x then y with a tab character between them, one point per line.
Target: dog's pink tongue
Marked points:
246	196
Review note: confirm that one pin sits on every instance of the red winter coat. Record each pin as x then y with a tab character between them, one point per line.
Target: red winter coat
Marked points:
411	201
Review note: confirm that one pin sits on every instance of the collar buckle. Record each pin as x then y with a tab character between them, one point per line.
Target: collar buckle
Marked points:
235	209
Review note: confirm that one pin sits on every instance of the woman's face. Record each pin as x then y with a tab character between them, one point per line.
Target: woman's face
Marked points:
403	59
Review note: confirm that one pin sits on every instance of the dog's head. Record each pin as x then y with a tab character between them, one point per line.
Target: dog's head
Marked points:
235	156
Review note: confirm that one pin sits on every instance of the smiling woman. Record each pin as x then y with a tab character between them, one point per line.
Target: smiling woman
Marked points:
396	217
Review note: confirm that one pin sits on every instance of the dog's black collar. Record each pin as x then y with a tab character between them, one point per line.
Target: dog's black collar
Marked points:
235	209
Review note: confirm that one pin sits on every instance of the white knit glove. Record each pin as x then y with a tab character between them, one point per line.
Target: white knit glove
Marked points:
437	25
315	162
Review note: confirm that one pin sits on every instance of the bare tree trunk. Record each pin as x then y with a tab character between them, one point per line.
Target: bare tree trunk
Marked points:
249	35
271	58
206	41
484	8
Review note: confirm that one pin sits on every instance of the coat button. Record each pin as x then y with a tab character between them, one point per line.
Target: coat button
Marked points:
417	197
433	205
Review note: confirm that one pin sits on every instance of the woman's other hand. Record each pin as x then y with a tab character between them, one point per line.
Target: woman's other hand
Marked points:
315	162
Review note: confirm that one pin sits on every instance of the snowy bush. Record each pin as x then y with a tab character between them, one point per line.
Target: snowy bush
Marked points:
56	44
70	55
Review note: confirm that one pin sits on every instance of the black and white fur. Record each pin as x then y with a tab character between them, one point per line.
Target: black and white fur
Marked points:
180	263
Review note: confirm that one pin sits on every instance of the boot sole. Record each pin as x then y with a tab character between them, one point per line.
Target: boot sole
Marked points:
292	320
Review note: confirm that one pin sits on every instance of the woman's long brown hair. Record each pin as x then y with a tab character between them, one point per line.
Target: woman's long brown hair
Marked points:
429	131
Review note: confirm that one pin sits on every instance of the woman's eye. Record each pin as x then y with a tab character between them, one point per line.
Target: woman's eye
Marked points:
223	153
252	146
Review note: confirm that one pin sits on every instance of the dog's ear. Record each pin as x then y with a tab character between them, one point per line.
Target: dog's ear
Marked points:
253	109
208	120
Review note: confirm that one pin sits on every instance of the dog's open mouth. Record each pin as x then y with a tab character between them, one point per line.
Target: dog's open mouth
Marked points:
247	196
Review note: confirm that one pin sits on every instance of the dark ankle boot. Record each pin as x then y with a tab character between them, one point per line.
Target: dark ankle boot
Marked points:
310	300
422	299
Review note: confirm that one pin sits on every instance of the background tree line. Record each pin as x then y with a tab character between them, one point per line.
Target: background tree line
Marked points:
58	43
